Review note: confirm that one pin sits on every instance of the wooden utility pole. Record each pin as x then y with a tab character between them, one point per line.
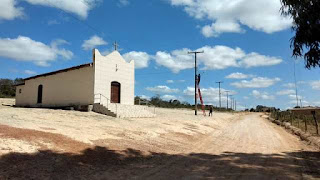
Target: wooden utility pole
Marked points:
195	78
219	93
315	120
231	101
227	99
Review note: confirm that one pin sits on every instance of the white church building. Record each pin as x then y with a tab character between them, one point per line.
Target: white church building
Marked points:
105	86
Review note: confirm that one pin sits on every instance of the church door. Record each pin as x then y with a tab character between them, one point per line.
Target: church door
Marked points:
40	88
115	92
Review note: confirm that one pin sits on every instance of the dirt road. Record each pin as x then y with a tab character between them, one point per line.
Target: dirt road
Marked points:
53	144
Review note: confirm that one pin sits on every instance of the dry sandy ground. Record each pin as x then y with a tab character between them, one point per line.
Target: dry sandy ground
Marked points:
57	144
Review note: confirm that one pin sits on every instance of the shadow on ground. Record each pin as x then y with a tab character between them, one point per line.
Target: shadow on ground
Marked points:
102	163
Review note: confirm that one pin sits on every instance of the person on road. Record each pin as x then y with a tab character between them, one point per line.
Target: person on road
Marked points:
210	110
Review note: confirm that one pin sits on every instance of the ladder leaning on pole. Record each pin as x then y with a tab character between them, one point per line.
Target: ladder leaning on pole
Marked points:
202	104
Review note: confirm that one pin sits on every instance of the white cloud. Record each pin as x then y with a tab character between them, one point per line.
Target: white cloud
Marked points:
230	15
258	82
78	7
262	95
177	60
9	10
289	85
210	95
25	49
246	97
29	72
215	57
162	89
123	3
170	81
293	96
93	42
286	92
238	75
53	22
144	97
315	85
256	60
141	59
168	97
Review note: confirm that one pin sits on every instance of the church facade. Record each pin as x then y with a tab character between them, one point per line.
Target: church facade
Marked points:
107	80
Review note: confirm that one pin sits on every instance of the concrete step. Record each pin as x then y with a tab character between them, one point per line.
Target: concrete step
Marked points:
99	108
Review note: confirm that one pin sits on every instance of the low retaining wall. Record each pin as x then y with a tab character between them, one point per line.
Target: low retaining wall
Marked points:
305	136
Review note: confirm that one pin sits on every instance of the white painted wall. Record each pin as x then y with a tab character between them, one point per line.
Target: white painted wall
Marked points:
73	87
113	68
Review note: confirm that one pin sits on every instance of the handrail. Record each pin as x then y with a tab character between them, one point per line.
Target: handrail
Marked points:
100	99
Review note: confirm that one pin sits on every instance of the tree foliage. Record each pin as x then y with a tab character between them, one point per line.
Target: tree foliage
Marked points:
7	87
306	17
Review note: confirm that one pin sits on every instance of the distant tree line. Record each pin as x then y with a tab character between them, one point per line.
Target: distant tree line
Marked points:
7	87
261	108
173	103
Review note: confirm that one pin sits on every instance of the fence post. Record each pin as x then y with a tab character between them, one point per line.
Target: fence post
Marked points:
305	123
315	120
299	122
291	118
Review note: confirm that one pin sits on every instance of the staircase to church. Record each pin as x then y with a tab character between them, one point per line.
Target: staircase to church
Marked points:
103	106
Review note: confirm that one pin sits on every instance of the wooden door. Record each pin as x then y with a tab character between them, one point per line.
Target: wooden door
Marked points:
40	89
115	92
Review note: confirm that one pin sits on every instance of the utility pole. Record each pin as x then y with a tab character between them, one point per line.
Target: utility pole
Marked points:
231	101
300	103
195	78
227	99
219	93
295	80
235	105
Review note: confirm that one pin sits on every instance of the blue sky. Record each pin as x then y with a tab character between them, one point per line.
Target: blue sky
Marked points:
246	45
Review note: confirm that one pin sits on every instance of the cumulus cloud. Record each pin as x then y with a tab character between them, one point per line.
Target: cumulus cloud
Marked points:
78	7
168	97
123	3
25	49
315	85
286	92
216	57
93	42
141	59
9	10
289	85
29	72
256	60
177	60
257	82
210	95
170	81
229	15
239	75
262	95
162	89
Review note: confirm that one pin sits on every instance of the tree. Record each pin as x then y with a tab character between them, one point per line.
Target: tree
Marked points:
306	17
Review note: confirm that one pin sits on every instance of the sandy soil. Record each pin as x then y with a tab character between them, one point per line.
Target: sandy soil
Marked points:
57	144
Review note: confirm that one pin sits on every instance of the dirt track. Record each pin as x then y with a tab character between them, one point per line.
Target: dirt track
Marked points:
48	144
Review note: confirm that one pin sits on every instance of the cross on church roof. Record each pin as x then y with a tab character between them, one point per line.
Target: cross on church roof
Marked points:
115	46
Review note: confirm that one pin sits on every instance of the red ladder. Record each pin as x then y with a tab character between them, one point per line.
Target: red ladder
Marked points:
202	104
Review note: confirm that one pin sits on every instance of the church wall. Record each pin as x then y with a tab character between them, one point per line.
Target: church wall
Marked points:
74	87
113	68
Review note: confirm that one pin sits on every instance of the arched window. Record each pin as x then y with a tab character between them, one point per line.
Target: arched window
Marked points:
115	92
40	89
